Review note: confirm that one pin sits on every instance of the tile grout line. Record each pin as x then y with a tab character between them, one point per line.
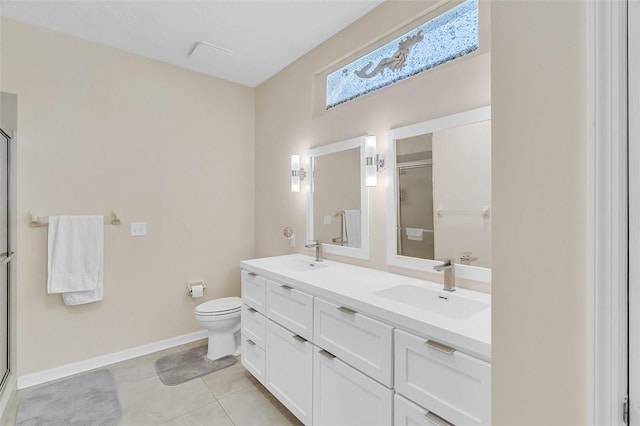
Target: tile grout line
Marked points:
215	398
226	412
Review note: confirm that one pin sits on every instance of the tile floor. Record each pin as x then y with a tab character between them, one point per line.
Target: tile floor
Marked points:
225	398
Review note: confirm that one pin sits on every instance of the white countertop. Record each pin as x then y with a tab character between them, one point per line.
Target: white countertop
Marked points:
355	287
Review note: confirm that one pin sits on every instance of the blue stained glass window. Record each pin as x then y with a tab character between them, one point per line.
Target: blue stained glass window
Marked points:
442	39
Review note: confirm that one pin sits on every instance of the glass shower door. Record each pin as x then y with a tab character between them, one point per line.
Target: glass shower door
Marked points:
415	210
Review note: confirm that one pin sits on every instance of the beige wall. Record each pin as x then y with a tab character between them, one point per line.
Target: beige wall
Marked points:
101	129
539	247
285	123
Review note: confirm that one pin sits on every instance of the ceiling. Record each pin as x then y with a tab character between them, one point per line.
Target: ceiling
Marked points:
264	36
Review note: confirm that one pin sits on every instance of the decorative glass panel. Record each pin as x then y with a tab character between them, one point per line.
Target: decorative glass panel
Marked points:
446	37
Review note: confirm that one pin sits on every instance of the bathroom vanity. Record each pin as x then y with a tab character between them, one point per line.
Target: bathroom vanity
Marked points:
339	344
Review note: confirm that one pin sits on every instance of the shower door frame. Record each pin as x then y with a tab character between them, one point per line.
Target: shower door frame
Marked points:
8	259
606	213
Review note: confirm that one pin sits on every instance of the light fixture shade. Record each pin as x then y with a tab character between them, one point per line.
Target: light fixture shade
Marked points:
295	177
371	174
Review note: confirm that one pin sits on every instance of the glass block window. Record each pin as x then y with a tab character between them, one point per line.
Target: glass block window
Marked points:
442	39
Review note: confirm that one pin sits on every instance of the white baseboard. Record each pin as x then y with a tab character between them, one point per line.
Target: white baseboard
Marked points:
44	376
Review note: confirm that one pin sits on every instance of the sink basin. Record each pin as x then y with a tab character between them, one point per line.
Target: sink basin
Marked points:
442	303
299	264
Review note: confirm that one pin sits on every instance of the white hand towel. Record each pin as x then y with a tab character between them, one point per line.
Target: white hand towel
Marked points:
76	258
351	228
414	234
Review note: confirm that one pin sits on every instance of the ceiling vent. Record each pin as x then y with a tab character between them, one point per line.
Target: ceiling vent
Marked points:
207	52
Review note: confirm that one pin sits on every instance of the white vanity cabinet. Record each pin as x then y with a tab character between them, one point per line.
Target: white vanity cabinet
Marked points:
290	370
334	364
253	325
454	385
275	346
343	396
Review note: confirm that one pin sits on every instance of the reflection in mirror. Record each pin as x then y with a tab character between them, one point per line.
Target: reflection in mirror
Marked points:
337	212
336	198
415	197
441	194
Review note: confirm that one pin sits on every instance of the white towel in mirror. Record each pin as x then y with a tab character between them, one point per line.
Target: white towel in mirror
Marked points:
351	228
414	234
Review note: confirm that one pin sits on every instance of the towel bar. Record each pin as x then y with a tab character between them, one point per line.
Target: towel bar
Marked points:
36	221
486	212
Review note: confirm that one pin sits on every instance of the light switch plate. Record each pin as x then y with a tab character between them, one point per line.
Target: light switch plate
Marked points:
138	229
327	220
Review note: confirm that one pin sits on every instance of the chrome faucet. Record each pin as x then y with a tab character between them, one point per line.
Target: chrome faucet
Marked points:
318	246
449	269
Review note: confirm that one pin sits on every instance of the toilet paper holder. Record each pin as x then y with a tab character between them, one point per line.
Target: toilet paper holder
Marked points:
194	283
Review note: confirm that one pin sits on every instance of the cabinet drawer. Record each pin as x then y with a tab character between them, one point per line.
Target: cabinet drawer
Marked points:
355	338
456	386
253	325
290	370
406	413
290	308
343	396
253	359
253	291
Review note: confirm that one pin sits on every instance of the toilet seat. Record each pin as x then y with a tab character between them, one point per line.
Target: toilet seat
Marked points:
226	306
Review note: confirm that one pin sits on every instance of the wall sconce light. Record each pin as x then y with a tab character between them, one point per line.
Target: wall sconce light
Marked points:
374	163
297	173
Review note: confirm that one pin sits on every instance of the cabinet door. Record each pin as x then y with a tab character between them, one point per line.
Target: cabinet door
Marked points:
454	385
289	370
355	338
254	291
253	325
343	396
253	358
290	308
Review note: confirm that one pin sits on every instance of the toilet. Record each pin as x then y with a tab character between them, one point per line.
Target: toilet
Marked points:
221	318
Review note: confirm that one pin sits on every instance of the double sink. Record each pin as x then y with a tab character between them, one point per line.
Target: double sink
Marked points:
447	304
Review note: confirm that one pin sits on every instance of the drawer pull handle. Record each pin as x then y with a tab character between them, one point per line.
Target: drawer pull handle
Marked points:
252	274
251	342
285	287
347	310
299	338
440	347
434	419
327	354
250	309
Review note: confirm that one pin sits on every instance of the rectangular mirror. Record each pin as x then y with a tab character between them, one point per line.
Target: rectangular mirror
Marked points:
338	204
439	198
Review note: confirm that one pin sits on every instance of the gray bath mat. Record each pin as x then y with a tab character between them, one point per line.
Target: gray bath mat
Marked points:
181	367
89	399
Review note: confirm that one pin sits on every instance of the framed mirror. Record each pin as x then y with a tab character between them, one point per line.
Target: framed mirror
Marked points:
338	203
439	194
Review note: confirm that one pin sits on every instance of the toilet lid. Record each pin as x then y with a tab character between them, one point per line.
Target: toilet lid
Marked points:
223	305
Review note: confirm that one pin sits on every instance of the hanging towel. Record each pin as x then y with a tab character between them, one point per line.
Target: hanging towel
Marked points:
414	234
351	229
76	258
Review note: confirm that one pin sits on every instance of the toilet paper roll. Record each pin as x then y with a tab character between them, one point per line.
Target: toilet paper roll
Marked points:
197	291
